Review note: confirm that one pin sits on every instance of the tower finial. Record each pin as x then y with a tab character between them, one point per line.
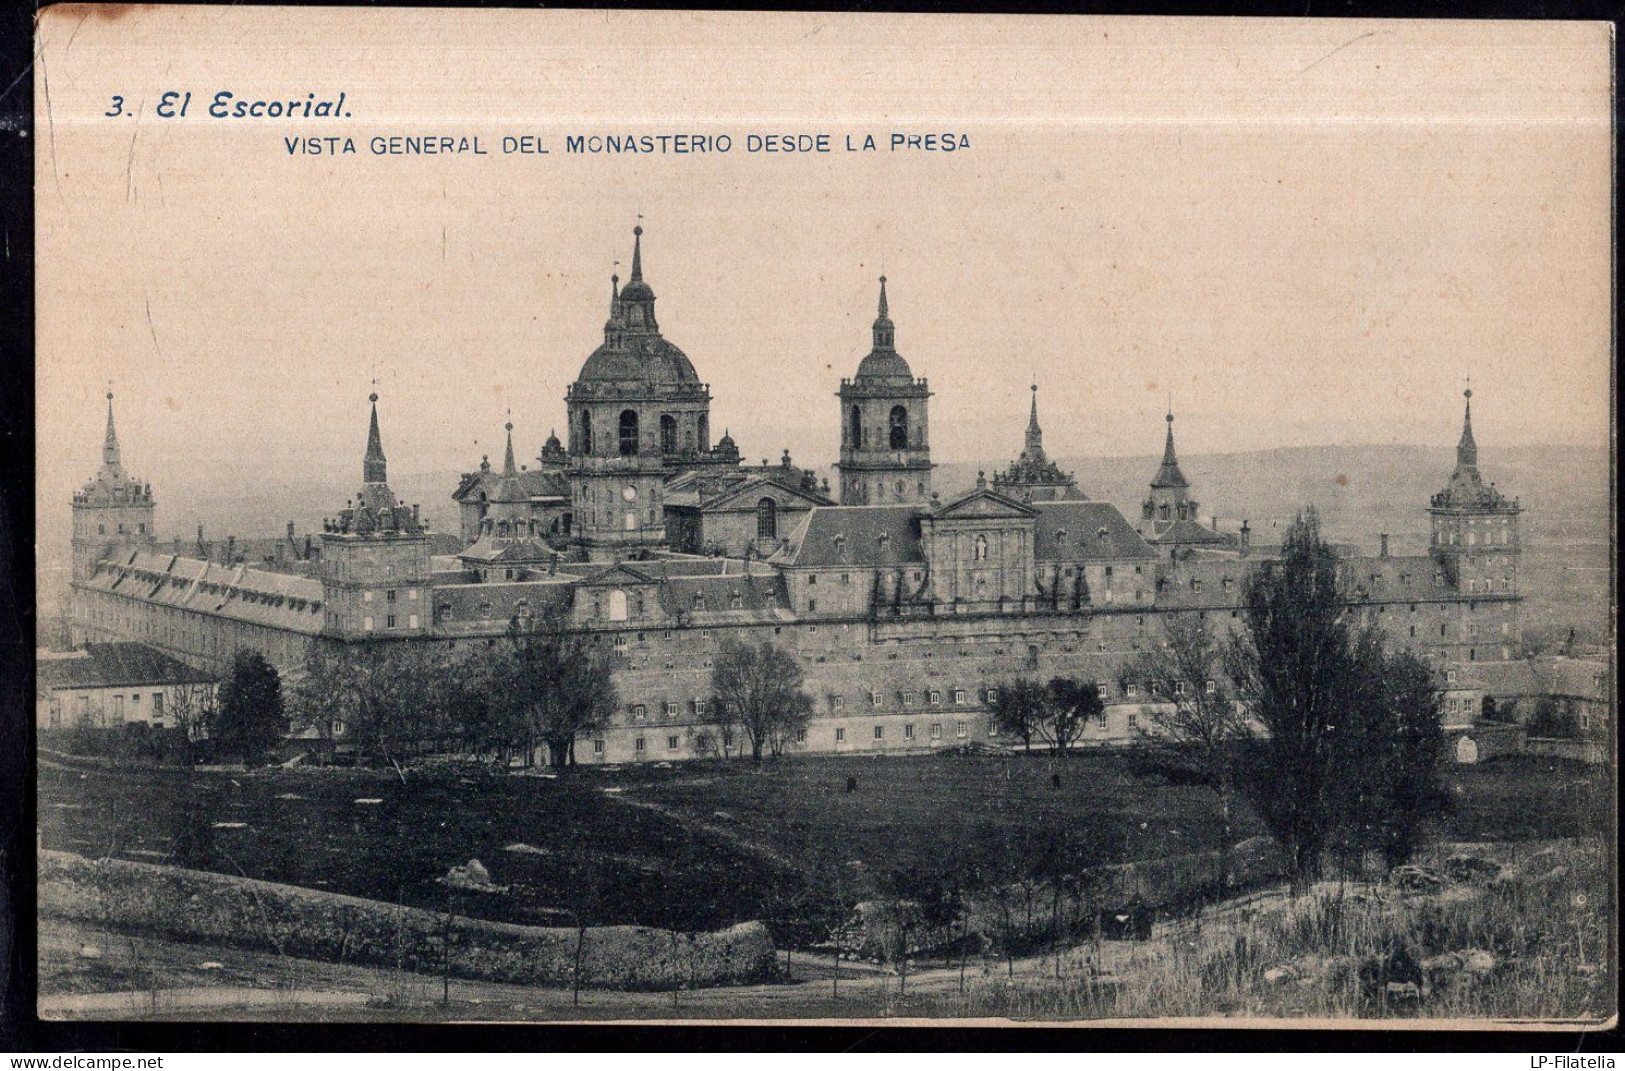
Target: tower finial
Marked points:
110	451
508	468
1035	434
637	252
373	466
1467	448
884	337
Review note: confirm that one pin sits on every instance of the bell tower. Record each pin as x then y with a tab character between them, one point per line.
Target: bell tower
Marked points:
885	430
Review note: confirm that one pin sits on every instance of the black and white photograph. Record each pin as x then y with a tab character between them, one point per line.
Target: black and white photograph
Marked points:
670	517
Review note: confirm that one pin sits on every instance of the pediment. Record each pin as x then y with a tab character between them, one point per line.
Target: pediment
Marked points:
984	504
617	575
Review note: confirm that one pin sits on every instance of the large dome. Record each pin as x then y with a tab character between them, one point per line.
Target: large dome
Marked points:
639	359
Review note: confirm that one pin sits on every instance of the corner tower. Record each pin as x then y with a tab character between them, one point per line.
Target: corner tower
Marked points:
1475	527
112	512
1170	497
375	557
885	431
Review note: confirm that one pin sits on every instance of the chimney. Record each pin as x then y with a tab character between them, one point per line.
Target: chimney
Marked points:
290	533
1384	538
1246	536
231	550
414	513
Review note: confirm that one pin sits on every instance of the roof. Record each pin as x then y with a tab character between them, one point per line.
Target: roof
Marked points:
111	665
1095	531
862	536
639	359
1183	532
256	596
885	365
533	484
1569	677
761	597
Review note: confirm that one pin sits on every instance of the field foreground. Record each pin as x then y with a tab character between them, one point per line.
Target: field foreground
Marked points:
1482	931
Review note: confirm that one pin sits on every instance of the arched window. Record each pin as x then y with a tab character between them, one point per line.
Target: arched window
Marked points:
668	433
899	428
617	605
767	519
629	433
586	432
857	428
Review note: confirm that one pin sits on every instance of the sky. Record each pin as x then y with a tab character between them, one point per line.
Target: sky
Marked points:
1297	233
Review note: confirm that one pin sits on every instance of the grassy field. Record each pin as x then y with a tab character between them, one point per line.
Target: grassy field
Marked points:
702	845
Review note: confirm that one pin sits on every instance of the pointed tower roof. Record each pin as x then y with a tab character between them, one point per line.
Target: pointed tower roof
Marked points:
1467	489
373	467
884	362
1035	435
110	451
509	489
1467	448
636	289
1169	475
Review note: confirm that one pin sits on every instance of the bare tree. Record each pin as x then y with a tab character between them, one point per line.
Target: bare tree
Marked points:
191	708
555	683
759	689
1198	724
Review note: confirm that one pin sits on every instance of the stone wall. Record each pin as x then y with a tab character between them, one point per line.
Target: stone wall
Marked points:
191	905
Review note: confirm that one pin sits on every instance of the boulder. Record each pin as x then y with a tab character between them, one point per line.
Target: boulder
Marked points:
1464	868
1416	880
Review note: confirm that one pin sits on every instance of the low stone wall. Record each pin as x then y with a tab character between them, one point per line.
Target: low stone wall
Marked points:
193	905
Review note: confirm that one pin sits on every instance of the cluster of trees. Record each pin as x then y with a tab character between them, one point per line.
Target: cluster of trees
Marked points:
1055	714
540	686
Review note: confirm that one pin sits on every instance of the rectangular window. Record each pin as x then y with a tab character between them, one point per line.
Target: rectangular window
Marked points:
389	622
389	596
638	746
1131	689
812	606
158	704
880	732
992	727
638	711
908	731
671	708
801	736
699	707
840	735
936	730
959	696
135	697
874	699
992	696
1133	720
812	578
672	742
1210	686
960	730
936	698
597	747
836	702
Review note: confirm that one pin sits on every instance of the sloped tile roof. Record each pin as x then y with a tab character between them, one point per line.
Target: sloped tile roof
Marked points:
1095	531
111	665
869	537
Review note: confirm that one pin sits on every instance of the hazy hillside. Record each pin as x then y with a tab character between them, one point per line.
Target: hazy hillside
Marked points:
1360	491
